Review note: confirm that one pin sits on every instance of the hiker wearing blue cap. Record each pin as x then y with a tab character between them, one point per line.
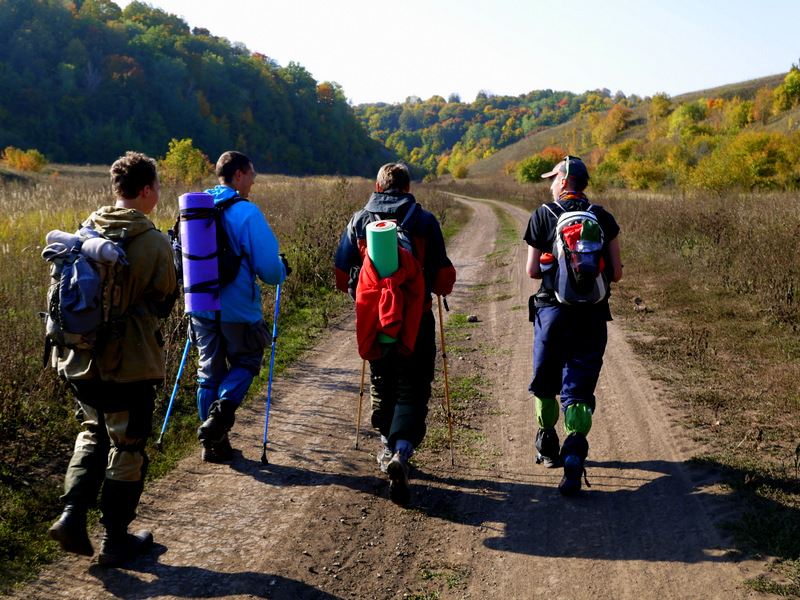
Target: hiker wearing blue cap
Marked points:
573	249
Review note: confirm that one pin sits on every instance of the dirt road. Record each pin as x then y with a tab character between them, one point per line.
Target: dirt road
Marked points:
316	522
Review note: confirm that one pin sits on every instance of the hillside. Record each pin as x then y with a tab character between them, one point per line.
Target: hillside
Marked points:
734	136
91	81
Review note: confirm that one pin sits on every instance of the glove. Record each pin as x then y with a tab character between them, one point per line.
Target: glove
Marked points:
285	262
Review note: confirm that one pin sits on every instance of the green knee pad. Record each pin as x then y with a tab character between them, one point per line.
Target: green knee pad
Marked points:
546	412
578	419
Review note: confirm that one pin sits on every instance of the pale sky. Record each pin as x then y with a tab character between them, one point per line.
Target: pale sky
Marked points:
382	51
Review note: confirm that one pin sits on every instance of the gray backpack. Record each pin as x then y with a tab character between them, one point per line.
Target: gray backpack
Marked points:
578	250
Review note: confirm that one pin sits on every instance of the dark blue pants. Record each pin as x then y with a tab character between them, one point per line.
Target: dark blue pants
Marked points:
568	347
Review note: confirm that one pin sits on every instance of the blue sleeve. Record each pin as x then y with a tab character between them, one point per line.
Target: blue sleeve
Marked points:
258	243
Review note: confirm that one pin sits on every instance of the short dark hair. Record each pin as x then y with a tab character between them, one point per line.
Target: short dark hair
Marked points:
393	177
131	173
229	163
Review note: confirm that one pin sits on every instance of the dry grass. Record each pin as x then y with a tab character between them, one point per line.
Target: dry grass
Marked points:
712	290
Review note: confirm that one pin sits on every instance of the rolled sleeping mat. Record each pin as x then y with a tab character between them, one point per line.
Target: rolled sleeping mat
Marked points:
382	251
199	252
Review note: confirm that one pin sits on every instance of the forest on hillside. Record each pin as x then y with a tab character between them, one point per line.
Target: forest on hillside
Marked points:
83	81
438	135
742	137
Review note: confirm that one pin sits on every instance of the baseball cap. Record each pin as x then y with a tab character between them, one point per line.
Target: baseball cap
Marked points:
571	166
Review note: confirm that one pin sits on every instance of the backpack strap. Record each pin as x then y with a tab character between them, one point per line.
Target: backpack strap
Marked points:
229	202
552	204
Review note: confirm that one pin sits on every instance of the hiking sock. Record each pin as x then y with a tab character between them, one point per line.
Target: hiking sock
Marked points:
405	448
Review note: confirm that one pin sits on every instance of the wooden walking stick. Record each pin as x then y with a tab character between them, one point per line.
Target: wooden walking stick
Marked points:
360	399
446	384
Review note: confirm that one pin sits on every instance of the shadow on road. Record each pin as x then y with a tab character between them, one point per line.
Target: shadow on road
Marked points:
146	577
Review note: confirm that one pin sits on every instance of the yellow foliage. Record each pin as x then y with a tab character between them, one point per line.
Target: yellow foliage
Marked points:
30	160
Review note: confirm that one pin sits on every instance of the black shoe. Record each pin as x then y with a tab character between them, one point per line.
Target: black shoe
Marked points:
399	487
118	548
571	482
211	431
218	452
70	531
547	445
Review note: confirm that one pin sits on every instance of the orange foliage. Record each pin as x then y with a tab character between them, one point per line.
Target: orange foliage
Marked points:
553	153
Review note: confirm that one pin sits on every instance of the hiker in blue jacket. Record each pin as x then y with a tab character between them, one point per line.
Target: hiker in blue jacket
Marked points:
569	340
231	344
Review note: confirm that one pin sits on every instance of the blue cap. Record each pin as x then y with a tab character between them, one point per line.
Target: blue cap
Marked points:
571	166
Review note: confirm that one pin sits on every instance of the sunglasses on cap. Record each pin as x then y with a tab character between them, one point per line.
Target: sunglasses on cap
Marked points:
567	160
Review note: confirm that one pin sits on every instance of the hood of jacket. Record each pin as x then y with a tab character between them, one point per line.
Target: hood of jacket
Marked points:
119	223
222	193
389	202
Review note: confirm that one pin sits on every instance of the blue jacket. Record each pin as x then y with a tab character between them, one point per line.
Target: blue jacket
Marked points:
251	237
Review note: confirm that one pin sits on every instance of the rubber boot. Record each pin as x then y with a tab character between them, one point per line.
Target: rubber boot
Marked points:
70	531
118	546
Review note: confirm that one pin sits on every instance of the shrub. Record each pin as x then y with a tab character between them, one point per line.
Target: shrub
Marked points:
531	169
30	160
460	171
643	174
184	163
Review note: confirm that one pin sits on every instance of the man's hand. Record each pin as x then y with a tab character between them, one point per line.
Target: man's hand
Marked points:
285	262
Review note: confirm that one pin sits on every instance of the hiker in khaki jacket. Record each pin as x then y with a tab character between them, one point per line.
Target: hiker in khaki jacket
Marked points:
114	383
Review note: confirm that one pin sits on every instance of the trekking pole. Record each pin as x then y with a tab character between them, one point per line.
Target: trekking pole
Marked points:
446	384
160	441
360	398
271	368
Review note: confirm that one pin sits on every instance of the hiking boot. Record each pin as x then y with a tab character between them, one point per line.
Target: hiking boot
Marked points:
547	445
399	488
549	463
70	531
571	482
384	456
117	548
218	452
211	431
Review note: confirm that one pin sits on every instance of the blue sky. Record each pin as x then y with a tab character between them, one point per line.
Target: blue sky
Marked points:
382	51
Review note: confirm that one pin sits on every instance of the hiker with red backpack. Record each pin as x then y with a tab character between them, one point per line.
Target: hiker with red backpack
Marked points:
113	374
231	341
401	371
574	250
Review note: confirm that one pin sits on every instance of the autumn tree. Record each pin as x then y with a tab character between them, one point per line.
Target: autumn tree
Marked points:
184	163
